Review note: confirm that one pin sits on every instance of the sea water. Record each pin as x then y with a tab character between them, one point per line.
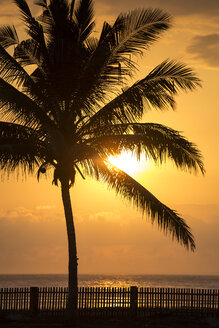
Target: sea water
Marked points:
99	280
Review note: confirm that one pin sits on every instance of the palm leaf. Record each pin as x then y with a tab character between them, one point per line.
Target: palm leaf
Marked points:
11	71
155	140
141	28
24	9
17	107
55	18
156	89
34	28
20	148
71	9
111	60
130	34
28	52
16	132
91	44
177	76
84	23
8	36
167	219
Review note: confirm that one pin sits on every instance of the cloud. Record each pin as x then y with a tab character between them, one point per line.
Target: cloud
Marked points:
175	7
105	216
205	48
32	241
114	7
35	241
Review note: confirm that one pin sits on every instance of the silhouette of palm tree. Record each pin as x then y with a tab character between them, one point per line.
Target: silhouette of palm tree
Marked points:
64	106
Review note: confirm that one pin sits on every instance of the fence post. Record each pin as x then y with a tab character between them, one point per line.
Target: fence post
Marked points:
34	295
134	301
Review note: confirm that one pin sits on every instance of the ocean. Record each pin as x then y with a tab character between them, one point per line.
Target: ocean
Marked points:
99	280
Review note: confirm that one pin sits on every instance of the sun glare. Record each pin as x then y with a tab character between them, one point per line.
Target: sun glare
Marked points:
128	163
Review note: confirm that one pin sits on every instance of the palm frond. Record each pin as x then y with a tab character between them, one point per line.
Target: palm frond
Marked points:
84	19
167	219
71	9
157	89
24	9
157	141
28	52
8	36
111	61
20	148
34	28
140	28
11	71
15	106
174	76
91	44
96	72
82	151
16	132
130	34
55	18
35	31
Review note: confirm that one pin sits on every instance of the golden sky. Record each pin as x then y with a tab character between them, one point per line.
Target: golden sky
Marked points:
112	236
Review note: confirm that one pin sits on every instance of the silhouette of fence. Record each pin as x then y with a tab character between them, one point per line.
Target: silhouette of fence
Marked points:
110	302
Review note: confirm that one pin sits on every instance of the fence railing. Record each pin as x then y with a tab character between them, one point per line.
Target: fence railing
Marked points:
101	301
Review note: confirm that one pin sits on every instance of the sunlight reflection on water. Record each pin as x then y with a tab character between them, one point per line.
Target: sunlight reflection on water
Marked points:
86	280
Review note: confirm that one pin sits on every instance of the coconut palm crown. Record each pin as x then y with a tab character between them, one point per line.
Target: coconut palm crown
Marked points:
65	106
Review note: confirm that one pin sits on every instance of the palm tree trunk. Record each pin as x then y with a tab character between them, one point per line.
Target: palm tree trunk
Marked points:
72	252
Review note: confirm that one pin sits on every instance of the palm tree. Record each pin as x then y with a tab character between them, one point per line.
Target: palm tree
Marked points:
66	106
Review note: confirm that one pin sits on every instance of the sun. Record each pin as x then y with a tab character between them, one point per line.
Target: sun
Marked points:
128	163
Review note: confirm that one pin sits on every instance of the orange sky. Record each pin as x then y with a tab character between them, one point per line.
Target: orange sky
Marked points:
112	236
